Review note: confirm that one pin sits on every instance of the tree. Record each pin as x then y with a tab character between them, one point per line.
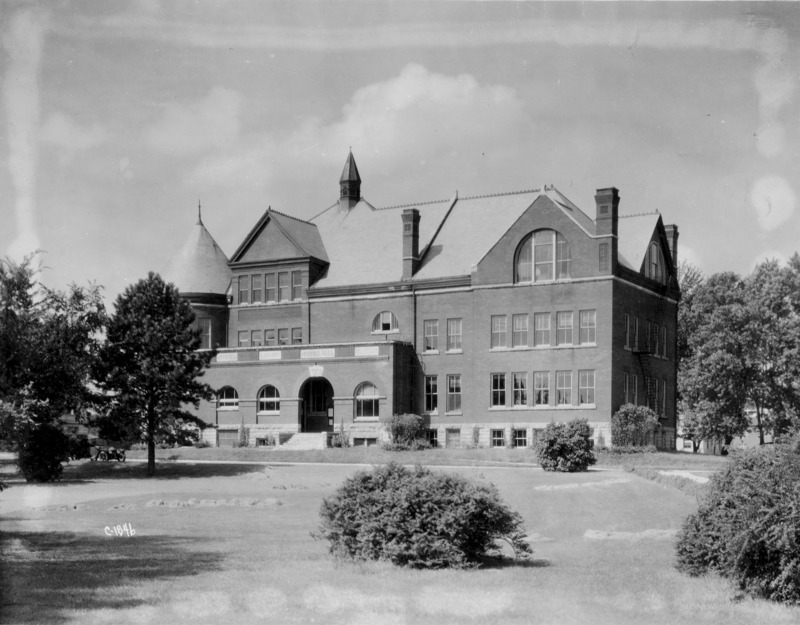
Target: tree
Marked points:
149	366
691	280
631	425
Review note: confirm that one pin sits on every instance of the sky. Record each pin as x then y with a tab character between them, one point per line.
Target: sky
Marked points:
117	118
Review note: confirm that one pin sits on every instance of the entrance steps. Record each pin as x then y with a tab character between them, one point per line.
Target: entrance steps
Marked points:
309	440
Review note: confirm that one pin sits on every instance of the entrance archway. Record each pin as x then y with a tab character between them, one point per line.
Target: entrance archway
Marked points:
316	406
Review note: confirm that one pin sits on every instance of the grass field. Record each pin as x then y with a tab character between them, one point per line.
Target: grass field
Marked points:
220	543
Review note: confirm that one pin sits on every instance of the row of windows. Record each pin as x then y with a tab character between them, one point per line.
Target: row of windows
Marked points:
268	400
281	286
279	336
430	330
565	333
654	340
657	399
514	390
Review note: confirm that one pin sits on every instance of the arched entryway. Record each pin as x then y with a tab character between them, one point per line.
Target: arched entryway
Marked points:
316	406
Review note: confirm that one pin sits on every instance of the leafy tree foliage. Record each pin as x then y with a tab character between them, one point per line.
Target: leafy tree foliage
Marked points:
149	365
566	447
631	425
406	431
418	518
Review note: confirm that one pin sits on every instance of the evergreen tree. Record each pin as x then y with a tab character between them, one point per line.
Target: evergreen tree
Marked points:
149	366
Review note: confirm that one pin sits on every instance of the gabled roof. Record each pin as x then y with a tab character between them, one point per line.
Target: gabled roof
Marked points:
277	236
634	234
200	266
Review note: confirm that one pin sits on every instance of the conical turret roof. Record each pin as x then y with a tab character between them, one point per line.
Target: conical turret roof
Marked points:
350	171
200	266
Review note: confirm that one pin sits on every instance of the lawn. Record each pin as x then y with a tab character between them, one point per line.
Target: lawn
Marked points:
231	543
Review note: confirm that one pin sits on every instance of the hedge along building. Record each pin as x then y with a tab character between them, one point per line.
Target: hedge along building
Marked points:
489	315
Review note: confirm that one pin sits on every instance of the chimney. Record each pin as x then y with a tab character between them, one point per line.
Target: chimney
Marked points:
672	241
410	242
606	226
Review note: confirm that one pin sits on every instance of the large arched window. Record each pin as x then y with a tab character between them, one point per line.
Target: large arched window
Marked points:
543	255
366	400
269	400
384	322
227	398
655	263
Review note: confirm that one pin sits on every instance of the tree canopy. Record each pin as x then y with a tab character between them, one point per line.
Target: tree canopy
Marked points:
149	366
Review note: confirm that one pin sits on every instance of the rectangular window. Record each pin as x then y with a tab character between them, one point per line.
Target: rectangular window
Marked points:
499	331
297	284
519	337
258	280
627	331
635	343
564	328
541	333
269	337
498	438
283	286
663	341
586	387
283	336
431	332
664	398
431	394
635	389
498	389
255	338
453	335
520	382
205	333
520	438
563	388
647	337
244	289
244	338
297	336
541	388
270	291
454	393
433	437
588	323
626	388
657	338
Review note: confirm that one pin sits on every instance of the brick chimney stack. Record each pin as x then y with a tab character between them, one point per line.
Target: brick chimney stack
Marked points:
672	240
410	242
606	227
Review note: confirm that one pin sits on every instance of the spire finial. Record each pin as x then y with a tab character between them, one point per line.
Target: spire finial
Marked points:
199	213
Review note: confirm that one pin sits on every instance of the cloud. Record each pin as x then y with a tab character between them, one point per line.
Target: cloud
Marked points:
23	42
773	201
197	126
399	122
771	139
69	136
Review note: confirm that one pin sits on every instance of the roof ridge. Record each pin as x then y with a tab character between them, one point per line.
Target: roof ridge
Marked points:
383	208
654	212
272	210
465	197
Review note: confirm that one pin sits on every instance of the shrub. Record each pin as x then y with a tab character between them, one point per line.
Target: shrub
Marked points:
747	528
623	451
565	447
243	435
202	443
79	447
418	518
340	438
41	450
404	429
631	425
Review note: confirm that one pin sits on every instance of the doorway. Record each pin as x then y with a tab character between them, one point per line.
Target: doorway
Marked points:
316	407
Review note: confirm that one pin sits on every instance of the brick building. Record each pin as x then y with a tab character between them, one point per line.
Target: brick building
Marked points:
489	315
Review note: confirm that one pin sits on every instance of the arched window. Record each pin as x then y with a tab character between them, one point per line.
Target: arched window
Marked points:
543	255
655	263
269	400
366	400
227	398
384	322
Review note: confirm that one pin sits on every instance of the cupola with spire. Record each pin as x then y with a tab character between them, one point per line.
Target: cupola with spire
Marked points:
349	184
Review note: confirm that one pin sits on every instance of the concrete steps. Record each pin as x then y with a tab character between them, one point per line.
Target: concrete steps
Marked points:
309	440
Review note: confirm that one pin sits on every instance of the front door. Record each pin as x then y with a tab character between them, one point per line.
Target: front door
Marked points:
316	412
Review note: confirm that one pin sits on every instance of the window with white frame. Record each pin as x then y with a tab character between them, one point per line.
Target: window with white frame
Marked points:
498	390
255	338
283	286
269	400
520	389
430	331
627	331
283	336
297	285
543	255
563	388
384	322
205	333
564	328
541	330
227	398
626	387
244	338
454	392
498	438
635	389
499	331
431	394
655	263
520	437
297	336
586	387
541	388
453	335
663	341
270	288
244	289
257	280
269	338
588	327
636	333
366	400
519	337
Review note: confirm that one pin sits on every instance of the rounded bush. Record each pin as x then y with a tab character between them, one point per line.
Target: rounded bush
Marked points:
418	518
404	430
41	451
747	528
565	447
631	425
